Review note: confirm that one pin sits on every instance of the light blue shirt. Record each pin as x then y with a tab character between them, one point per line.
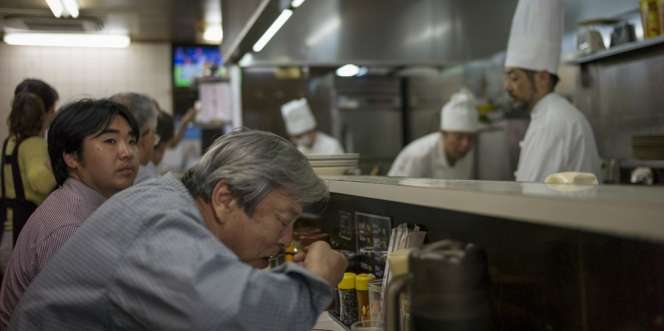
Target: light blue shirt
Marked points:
145	260
146	172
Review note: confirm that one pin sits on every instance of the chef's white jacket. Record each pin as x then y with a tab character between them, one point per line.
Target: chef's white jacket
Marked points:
324	144
559	138
425	158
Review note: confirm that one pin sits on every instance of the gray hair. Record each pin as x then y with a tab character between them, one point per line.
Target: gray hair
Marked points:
144	108
253	164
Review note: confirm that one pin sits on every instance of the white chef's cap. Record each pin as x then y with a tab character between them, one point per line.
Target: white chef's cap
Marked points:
460	113
536	38
298	117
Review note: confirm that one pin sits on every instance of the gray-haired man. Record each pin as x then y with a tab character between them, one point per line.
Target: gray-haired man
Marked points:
177	254
145	111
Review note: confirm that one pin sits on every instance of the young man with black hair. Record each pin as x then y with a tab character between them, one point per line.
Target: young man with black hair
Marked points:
93	152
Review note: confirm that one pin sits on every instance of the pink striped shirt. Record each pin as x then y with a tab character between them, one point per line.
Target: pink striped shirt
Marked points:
49	227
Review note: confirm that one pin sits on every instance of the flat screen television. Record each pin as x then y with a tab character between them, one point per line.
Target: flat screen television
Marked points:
193	62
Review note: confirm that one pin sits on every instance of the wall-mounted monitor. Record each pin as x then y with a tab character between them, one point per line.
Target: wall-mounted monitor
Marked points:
194	62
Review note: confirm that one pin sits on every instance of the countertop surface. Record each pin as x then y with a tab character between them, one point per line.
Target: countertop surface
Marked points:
327	323
625	211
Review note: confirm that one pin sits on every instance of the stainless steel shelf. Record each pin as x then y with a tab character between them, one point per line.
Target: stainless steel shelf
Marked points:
618	50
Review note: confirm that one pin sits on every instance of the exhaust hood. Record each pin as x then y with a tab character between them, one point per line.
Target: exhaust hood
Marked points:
371	32
384	32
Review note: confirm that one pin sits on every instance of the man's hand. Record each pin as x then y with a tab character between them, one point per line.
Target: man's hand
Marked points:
324	262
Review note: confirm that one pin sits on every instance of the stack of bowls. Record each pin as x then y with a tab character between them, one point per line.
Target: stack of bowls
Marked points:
334	164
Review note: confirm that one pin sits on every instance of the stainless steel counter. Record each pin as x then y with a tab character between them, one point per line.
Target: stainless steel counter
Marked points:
624	211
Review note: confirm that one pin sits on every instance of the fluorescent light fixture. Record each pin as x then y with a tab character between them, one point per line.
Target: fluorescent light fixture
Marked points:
213	33
272	30
56	7
296	3
71	6
348	70
67	40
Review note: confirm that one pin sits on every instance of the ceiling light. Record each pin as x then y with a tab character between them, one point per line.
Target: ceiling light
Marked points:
296	3
56	7
67	40
213	33
348	70
272	30
71	6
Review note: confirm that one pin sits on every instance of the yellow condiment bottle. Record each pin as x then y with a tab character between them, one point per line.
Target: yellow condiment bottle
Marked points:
650	17
362	291
347	299
292	249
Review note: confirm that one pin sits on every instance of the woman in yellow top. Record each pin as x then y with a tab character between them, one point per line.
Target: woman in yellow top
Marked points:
26	178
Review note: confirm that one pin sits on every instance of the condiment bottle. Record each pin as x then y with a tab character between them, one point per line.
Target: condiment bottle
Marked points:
347	299
362	291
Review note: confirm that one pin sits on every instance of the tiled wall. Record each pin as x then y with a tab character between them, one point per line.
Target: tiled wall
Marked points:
87	72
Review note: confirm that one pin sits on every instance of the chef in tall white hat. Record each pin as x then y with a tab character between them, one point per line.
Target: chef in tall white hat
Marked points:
559	138
301	127
443	154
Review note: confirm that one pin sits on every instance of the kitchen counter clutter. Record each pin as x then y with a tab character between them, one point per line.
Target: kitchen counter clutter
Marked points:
628	48
632	212
560	257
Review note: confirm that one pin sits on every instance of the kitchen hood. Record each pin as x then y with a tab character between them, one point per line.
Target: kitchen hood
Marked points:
382	32
369	32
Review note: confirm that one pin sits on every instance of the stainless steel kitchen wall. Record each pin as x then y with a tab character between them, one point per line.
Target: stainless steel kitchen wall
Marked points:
262	96
364	113
622	97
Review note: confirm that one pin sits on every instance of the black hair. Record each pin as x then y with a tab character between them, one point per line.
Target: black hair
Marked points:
26	118
554	81
165	127
76	121
44	91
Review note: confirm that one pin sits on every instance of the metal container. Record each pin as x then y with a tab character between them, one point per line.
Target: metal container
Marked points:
448	288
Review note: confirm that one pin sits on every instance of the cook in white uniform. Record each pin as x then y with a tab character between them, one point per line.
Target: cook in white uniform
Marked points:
443	154
301	127
559	137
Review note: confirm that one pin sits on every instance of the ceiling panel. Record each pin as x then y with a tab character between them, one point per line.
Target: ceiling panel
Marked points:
177	21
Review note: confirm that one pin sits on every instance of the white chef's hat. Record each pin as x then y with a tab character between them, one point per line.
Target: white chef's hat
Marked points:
536	38
460	113
298	117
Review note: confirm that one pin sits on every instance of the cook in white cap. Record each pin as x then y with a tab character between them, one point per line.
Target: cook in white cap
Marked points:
301	127
443	154
559	138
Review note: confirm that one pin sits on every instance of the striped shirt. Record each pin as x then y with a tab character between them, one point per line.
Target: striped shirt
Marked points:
47	229
146	172
145	260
